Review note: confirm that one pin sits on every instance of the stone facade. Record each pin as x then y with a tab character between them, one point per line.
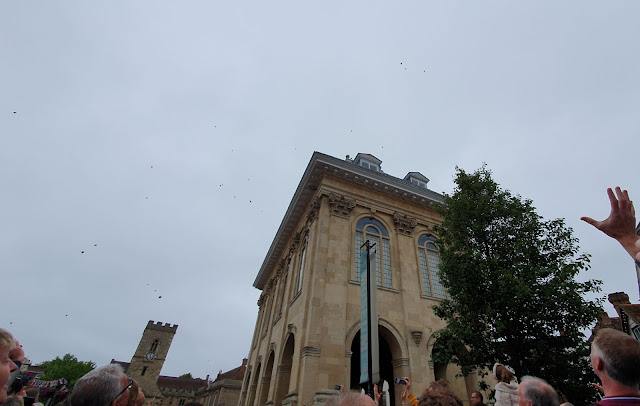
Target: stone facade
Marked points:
306	335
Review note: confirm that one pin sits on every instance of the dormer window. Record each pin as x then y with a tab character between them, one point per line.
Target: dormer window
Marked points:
418	183
369	165
368	161
417	179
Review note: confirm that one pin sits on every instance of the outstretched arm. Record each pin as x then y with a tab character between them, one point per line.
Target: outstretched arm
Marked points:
621	223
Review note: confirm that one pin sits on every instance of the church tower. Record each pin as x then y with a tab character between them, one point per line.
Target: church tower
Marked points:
148	359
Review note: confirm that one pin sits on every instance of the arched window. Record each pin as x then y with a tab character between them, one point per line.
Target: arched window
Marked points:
154	346
429	267
283	296
303	255
372	230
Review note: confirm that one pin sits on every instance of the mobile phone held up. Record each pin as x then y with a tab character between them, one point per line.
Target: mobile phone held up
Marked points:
401	381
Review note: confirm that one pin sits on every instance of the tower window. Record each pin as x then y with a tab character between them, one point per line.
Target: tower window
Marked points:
144	371
154	346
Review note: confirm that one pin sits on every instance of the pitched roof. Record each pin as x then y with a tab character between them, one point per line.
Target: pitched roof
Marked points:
235	374
171	382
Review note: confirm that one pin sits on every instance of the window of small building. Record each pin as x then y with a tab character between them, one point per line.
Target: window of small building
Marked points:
372	230
429	267
144	371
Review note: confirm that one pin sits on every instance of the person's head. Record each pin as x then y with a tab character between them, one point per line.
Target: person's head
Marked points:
351	399
439	394
7	342
13	401
136	395
104	386
503	374
534	391
476	398
34	393
617	355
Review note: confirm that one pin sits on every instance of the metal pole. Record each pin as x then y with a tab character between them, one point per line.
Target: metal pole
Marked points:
370	363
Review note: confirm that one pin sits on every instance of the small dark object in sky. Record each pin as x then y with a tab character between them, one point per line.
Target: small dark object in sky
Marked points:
400	63
405	68
159	297
11	321
424	70
151	166
249	201
82	252
147	198
65	315
95	245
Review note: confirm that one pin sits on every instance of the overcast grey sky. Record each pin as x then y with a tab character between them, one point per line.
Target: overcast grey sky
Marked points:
165	139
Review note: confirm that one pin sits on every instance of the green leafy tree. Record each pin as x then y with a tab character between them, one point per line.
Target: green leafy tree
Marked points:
67	367
187	375
514	298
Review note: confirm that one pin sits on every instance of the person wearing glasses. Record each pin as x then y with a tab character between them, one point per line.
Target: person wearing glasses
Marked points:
104	386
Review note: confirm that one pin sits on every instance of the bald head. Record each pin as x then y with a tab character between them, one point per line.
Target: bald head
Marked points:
534	391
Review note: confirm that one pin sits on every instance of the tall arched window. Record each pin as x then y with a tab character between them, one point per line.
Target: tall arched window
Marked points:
154	346
372	230
429	267
283	296
303	255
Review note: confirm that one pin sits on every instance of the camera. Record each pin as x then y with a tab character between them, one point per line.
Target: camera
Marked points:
401	381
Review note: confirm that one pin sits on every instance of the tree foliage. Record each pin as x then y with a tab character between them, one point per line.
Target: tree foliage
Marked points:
67	367
510	276
187	375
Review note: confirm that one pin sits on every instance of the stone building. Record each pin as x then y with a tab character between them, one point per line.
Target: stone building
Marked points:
225	389
146	365
306	337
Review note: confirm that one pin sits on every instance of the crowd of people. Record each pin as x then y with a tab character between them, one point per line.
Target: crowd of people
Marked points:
615	359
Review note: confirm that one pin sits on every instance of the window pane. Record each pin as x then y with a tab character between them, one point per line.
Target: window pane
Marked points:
434	266
386	263
426	285
359	243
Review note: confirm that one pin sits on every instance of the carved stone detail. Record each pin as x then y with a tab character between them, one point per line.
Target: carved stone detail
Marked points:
290	400
291	328
341	206
314	210
404	224
417	337
310	352
261	299
259	359
400	362
272	346
294	243
348	354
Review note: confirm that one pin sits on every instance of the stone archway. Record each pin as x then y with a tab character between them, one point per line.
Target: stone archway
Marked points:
283	373
266	380
391	361
254	386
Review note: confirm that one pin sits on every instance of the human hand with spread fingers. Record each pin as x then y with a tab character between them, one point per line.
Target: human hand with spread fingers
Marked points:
621	223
